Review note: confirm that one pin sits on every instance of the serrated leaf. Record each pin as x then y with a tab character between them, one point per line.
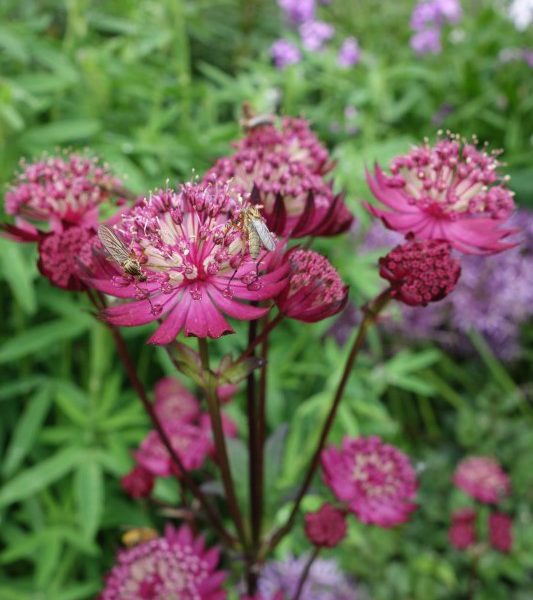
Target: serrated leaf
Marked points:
89	488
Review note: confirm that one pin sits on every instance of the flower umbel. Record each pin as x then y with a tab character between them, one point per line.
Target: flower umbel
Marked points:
138	483
482	478
326	527
420	271
500	531
315	290
374	479
196	262
176	565
452	191
462	533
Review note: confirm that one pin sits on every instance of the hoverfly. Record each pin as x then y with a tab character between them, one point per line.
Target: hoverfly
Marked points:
118	252
138	535
256	232
249	123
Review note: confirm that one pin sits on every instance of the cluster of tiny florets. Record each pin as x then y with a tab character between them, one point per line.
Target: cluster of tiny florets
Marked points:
482	478
420	271
313	272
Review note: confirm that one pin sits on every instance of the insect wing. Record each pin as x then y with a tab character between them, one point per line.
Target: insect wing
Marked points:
113	244
267	239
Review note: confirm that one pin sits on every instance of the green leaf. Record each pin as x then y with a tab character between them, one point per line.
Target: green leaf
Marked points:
60	132
26	430
18	274
35	478
39	338
89	488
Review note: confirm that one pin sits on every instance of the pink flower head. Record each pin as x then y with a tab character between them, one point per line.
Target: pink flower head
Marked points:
283	170
500	531
229	428
452	191
138	483
376	480
60	191
420	271
174	402
325	527
176	565
462	533
482	478
196	262
190	442
315	290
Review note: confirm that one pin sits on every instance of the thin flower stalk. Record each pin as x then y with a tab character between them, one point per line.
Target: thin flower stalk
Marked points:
305	573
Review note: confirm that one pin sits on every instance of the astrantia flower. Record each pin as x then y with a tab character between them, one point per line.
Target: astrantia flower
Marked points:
349	53
450	191
315	290
420	271
138	483
500	531
462	532
375	480
283	169
176	565
279	579
190	442
325	527
285	53
196	262
174	402
315	34
482	478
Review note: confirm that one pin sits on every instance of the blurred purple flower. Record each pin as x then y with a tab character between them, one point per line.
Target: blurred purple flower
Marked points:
298	11
527	55
315	34
430	13
284	53
349	53
325	581
426	41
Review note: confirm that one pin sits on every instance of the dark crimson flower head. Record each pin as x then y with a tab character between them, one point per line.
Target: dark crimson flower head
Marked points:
325	527
462	532
420	271
500	531
482	478
282	169
315	289
452	190
138	483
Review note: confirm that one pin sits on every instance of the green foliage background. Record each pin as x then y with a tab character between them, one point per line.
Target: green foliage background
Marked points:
156	87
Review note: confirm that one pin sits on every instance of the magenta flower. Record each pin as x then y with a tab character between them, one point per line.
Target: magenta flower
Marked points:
482	478
374	479
229	427
283	169
138	483
190	442
176	565
325	527
450	191
500	531
174	402
196	262
462	532
315	290
420	271
285	53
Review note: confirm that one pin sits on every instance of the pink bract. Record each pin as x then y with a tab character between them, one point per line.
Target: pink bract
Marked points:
375	480
482	478
450	191
174	402
282	169
197	264
325	527
315	289
177	565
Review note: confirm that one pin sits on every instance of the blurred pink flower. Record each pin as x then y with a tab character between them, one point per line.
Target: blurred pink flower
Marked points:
450	191
138	483
176	565
174	402
190	442
500	531
420	271
462	532
315	290
283	169
196	262
228	426
482	478
325	527
376	480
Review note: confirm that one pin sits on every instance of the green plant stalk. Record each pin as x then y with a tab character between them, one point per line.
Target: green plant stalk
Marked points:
213	405
371	311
